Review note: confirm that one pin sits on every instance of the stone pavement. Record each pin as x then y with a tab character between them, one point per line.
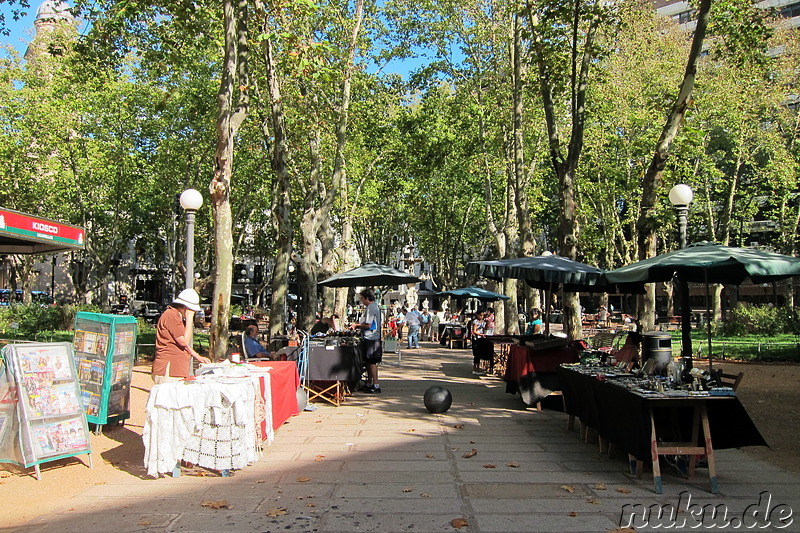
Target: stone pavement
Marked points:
382	463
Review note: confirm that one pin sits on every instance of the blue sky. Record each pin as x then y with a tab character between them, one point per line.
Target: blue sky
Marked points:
21	31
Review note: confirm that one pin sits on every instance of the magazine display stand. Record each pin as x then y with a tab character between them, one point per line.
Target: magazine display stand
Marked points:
104	347
41	406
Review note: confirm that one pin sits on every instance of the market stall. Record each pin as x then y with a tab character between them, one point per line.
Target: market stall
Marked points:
220	418
647	420
531	367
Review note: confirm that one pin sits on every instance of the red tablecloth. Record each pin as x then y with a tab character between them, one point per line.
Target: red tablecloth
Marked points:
284	381
523	360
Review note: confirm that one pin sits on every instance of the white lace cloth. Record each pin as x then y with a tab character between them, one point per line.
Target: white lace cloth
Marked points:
213	421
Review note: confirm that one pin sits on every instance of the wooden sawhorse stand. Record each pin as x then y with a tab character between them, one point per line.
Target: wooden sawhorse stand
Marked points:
332	392
691	449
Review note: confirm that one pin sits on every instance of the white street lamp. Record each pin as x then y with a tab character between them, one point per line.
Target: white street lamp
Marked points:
191	201
681	196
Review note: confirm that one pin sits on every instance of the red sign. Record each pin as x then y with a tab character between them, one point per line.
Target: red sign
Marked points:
28	228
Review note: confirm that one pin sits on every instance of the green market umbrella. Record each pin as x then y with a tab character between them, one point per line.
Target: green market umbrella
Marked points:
547	272
541	272
370	274
475	292
707	262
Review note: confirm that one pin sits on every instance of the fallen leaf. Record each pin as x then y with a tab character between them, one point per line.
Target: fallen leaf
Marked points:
573	513
429	456
280	511
593	501
458	523
623	490
599	486
144	522
489	466
472	453
458	426
216	504
303	479
513	464
568	488
319	458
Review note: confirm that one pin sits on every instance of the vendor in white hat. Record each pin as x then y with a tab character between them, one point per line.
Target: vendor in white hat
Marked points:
173	353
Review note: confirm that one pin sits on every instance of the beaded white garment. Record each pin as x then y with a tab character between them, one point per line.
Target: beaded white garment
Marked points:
211	422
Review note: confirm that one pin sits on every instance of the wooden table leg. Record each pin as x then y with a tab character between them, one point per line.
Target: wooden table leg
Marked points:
712	467
654	453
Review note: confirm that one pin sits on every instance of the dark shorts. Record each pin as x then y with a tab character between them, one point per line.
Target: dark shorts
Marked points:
372	350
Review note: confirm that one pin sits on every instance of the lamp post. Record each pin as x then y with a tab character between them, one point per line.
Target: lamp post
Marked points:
191	201
681	196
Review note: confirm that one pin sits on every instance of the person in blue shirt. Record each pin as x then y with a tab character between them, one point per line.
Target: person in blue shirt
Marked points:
535	324
253	348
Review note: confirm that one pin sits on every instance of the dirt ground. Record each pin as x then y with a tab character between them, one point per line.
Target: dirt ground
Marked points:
769	392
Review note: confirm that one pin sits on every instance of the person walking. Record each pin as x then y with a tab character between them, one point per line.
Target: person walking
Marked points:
425	329
488	322
173	352
435	320
413	320
371	344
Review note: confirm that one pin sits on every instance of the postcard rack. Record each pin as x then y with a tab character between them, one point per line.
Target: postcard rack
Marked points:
41	415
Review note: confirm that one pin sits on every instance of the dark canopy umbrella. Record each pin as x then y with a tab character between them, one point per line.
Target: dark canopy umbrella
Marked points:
541	272
370	274
475	292
707	262
548	272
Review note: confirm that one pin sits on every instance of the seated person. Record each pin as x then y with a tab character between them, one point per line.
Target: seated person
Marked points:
535	324
324	325
253	348
629	352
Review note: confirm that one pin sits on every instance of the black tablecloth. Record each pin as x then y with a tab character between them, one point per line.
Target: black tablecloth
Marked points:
335	363
622	417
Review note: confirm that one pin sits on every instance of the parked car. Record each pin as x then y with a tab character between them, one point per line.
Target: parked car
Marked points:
120	309
150	311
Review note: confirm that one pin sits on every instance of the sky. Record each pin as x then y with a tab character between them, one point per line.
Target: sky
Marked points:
21	30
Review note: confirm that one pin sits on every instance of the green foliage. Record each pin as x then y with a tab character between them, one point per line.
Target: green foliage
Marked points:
759	320
32	321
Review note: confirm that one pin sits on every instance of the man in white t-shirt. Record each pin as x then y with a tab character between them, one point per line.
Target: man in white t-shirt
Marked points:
413	320
371	345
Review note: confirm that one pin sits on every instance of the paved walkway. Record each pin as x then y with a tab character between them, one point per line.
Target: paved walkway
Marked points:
382	463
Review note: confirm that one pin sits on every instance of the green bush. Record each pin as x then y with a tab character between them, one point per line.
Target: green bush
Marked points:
29	321
759	320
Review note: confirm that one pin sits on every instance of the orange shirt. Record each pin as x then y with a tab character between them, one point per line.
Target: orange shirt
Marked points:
170	326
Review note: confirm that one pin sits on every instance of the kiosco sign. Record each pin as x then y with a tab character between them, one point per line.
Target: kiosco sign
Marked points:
21	234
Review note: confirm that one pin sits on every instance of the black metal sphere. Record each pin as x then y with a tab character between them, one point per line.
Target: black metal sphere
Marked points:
437	399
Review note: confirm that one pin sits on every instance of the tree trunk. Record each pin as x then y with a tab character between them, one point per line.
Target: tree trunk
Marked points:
282	201
229	119
653	179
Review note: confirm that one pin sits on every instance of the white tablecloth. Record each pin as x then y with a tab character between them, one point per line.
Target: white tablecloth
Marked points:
212	421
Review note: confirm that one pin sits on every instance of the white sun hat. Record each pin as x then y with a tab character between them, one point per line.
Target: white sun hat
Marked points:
190	299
